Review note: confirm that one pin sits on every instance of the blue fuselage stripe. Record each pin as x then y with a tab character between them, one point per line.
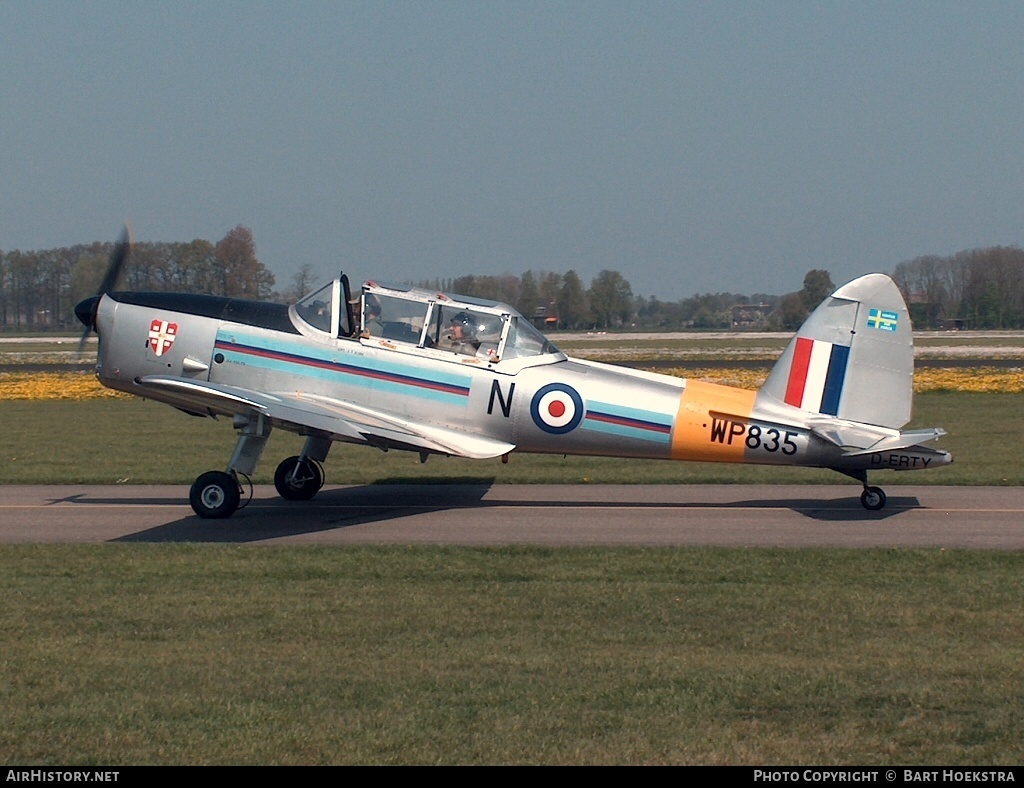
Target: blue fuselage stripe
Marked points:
325	369
639	424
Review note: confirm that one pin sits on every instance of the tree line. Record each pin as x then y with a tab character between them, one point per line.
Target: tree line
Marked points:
974	289
563	301
39	289
980	288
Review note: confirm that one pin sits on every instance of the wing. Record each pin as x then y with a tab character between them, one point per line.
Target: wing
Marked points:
302	413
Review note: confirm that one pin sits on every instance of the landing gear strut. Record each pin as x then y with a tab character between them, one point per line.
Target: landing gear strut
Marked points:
217	494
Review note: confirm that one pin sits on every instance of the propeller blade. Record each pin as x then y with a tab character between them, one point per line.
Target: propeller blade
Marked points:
118	258
86	310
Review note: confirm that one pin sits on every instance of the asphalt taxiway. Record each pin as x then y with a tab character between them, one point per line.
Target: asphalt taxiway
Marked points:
724	515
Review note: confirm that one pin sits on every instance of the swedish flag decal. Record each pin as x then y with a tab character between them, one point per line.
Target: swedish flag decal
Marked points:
883	320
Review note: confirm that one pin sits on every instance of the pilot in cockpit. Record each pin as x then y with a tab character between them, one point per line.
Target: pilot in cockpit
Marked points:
373	326
462	331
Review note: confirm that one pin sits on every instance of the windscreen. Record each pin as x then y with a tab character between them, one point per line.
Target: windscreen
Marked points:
524	340
315	308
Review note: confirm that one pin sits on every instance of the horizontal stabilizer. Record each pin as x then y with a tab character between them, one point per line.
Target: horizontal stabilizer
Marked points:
911	439
849	434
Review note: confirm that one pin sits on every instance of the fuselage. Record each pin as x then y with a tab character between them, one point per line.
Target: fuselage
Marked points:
529	395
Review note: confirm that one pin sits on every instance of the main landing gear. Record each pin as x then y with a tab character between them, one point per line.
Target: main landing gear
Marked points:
873	498
298	478
217	495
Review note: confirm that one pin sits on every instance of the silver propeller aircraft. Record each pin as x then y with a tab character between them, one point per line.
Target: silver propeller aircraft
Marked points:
400	368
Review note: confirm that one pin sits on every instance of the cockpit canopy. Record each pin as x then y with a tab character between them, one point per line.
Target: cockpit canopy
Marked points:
412	318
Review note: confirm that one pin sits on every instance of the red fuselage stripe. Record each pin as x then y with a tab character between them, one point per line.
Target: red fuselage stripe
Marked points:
627	422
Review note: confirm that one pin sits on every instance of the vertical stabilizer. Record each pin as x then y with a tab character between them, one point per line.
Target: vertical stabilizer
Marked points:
853	358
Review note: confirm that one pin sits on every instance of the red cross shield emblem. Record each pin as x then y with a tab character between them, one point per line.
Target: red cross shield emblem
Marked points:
161	336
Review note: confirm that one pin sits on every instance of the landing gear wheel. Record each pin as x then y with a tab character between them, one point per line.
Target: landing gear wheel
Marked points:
872	499
297	479
215	495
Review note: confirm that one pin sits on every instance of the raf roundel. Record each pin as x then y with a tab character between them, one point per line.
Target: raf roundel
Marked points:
557	408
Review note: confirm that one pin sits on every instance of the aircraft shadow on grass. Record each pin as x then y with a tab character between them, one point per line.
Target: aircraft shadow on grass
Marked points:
274	518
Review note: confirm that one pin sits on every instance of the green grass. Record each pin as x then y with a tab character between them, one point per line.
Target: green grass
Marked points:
966	339
24	348
134	441
42	336
148	654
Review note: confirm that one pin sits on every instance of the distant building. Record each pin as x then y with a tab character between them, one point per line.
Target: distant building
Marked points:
926	313
544	321
750	315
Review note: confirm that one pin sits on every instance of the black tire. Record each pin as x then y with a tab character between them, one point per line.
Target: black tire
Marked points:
214	495
298	480
873	499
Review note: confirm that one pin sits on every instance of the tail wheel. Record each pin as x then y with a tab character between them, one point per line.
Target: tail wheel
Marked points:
298	479
215	495
872	499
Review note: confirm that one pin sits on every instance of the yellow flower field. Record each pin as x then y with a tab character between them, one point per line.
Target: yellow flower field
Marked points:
52	385
996	380
990	380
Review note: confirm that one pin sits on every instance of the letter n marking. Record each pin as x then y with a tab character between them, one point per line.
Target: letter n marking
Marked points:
505	405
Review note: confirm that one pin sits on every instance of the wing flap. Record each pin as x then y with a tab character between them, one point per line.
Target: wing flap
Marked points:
440	439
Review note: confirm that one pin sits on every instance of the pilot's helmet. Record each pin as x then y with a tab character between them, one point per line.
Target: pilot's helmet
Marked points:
465	320
372	306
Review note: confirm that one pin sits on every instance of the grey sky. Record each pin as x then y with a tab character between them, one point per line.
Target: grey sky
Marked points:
692	146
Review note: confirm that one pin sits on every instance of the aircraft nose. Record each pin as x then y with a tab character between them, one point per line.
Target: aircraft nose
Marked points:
86	311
